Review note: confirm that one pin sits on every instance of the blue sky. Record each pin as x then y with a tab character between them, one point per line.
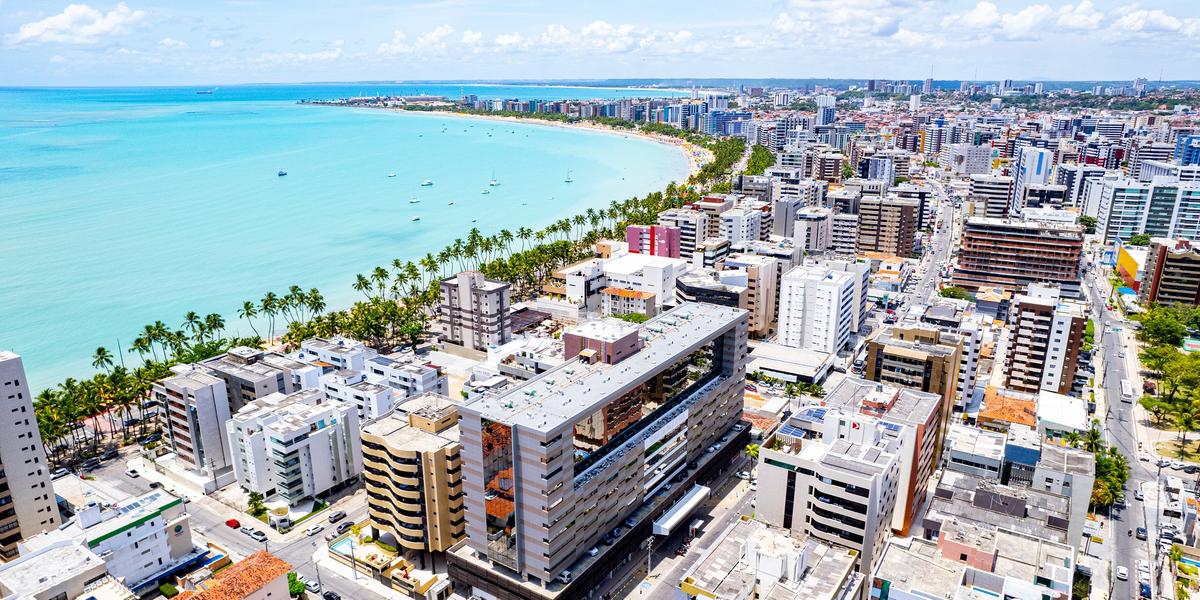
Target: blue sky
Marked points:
164	42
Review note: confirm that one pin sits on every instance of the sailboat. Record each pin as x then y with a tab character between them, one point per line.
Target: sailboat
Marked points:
427	183
413	200
416	218
568	179
391	174
494	182
486	191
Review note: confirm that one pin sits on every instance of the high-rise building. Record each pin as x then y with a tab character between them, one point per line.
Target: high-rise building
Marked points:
887	225
845	234
296	446
1187	150
1160	208
816	308
27	502
692	226
655	240
474	311
841	489
1075	178
1032	167
927	87
1172	273
761	278
919	357
194	407
592	452
1011	254
967	159
741	224
413	471
991	194
1047	333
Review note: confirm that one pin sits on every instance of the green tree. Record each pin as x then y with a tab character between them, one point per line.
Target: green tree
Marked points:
1088	222
847	171
102	359
752	451
1161	327
295	588
957	293
633	317
254	504
1139	239
760	160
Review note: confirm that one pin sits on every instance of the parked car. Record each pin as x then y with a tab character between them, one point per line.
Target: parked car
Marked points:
594	551
246	529
343	527
631	522
89	464
260	537
310	585
132	473
314	530
59	473
110	454
154	437
337	516
233	523
331	596
154	485
1144	590
1122	573
1141	533
743	475
1138	495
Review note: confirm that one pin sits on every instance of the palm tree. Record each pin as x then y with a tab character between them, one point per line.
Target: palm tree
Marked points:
524	233
752	451
269	305
214	323
1072	438
102	359
315	301
248	312
1185	421
1093	440
192	321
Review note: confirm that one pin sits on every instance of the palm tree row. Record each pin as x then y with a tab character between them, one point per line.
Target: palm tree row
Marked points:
114	393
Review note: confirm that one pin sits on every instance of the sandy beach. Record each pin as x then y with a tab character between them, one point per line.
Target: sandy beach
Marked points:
696	155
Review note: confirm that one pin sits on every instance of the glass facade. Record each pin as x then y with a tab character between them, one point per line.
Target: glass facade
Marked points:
498	496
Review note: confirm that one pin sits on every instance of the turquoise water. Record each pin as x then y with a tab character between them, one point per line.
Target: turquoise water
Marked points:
121	207
342	546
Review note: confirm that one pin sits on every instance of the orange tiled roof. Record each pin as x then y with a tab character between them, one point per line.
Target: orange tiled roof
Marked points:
242	578
612	291
1001	406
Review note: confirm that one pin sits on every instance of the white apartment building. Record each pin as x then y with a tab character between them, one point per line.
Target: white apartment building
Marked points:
761	278
474	311
1032	167
692	225
194	406
966	159
841	490
295	446
27	503
991	195
642	273
741	224
860	272
1047	333
371	400
813	229
1165	168
816	309
140	539
1161	208
408	375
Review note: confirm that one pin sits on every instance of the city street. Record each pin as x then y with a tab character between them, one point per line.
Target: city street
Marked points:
208	518
1119	425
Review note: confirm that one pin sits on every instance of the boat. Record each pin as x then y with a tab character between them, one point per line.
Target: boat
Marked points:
281	173
416	218
413	200
450	203
391	174
568	179
205	92
494	182
486	192
427	183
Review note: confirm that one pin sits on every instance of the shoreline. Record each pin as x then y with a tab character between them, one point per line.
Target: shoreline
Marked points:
696	156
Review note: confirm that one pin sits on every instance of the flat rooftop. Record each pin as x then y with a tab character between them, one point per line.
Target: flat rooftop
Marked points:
633	263
975	441
1068	460
395	430
892	403
40	570
575	389
913	564
969	499
724	570
605	330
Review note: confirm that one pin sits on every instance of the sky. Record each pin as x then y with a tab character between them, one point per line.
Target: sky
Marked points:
178	42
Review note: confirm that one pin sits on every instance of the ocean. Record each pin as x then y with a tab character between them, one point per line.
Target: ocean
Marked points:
119	207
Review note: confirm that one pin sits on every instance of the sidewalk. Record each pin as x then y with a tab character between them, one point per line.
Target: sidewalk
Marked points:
324	562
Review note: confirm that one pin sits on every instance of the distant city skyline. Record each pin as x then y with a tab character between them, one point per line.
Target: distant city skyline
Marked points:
163	42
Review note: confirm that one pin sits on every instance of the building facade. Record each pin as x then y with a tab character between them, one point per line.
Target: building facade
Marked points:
474	311
27	502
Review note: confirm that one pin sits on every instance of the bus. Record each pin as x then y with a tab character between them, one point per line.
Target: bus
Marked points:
1126	390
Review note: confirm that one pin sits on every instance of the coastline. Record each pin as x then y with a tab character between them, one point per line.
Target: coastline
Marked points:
696	156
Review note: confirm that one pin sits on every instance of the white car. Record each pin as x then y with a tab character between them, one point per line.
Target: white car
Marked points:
314	530
132	473
743	475
310	585
1122	573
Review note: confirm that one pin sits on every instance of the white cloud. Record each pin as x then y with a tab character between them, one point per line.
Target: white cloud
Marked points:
1083	16
216	43
396	46
911	38
510	40
78	24
1139	20
983	16
300	58
172	43
785	24
58	59
471	38
1024	24
434	39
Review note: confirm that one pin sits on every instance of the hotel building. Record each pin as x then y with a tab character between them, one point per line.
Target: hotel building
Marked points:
474	311
573	457
194	406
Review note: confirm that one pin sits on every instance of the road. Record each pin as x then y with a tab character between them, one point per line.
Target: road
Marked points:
208	523
1119	426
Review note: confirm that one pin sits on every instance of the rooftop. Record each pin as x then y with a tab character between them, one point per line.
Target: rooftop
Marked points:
242	578
604	330
965	500
726	570
913	564
905	405
566	393
396	431
40	570
1067	460
975	441
1008	406
634	263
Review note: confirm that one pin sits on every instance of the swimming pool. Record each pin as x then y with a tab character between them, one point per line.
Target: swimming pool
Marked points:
1190	561
342	546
